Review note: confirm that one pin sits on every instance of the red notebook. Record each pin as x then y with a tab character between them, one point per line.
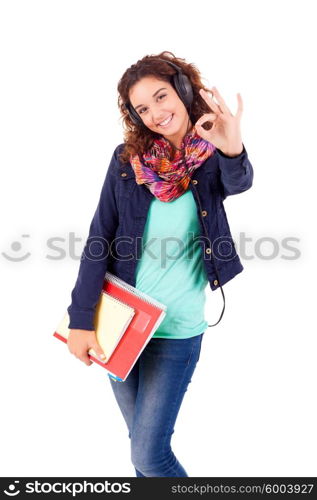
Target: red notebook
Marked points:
137	326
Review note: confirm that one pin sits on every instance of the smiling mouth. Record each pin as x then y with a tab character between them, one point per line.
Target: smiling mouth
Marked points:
166	122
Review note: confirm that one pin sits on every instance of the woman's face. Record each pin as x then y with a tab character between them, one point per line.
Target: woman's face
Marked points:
160	108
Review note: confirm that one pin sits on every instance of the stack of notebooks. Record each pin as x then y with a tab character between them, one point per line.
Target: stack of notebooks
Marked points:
125	320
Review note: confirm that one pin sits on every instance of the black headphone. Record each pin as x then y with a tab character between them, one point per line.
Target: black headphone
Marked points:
182	86
184	90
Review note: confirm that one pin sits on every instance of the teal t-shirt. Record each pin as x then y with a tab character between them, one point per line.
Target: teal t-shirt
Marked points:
171	267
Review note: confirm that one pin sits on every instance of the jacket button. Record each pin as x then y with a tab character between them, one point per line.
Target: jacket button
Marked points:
215	282
195	181
203	213
123	174
208	250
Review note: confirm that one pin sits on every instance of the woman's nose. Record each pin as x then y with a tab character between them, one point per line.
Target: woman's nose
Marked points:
158	115
159	118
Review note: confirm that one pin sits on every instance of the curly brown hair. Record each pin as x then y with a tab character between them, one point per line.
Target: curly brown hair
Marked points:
138	139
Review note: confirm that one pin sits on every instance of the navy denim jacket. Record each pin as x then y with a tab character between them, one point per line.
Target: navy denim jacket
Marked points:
114	242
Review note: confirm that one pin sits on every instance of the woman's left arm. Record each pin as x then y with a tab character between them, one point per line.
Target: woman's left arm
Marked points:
236	171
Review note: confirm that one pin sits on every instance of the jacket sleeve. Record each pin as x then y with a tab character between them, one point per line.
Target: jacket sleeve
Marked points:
236	173
95	256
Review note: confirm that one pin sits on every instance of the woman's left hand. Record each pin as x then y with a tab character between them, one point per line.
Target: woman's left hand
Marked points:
225	133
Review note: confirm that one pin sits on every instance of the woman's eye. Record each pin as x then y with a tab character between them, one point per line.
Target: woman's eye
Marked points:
159	97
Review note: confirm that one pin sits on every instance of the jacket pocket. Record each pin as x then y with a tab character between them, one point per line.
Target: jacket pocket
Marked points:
127	185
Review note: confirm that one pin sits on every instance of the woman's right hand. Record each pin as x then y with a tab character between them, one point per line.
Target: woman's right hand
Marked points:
80	341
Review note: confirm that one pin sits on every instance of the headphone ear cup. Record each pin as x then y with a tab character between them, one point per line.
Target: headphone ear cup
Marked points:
133	115
183	88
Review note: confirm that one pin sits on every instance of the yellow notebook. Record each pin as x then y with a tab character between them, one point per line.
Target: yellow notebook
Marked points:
111	320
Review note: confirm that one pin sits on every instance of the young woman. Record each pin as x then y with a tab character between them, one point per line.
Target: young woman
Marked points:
161	215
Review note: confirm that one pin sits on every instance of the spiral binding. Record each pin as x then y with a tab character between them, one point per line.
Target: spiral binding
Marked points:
126	286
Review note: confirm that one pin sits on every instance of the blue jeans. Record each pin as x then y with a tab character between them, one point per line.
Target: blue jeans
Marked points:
150	399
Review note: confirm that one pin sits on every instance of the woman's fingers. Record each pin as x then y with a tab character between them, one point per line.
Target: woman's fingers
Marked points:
210	117
240	106
221	107
209	101
84	358
224	108
78	342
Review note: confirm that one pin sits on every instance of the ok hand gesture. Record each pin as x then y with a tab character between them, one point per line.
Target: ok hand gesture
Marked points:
225	133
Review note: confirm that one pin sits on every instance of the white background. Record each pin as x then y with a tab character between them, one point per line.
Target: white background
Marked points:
250	409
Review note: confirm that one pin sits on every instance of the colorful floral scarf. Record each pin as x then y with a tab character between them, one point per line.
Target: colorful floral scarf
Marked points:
168	179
